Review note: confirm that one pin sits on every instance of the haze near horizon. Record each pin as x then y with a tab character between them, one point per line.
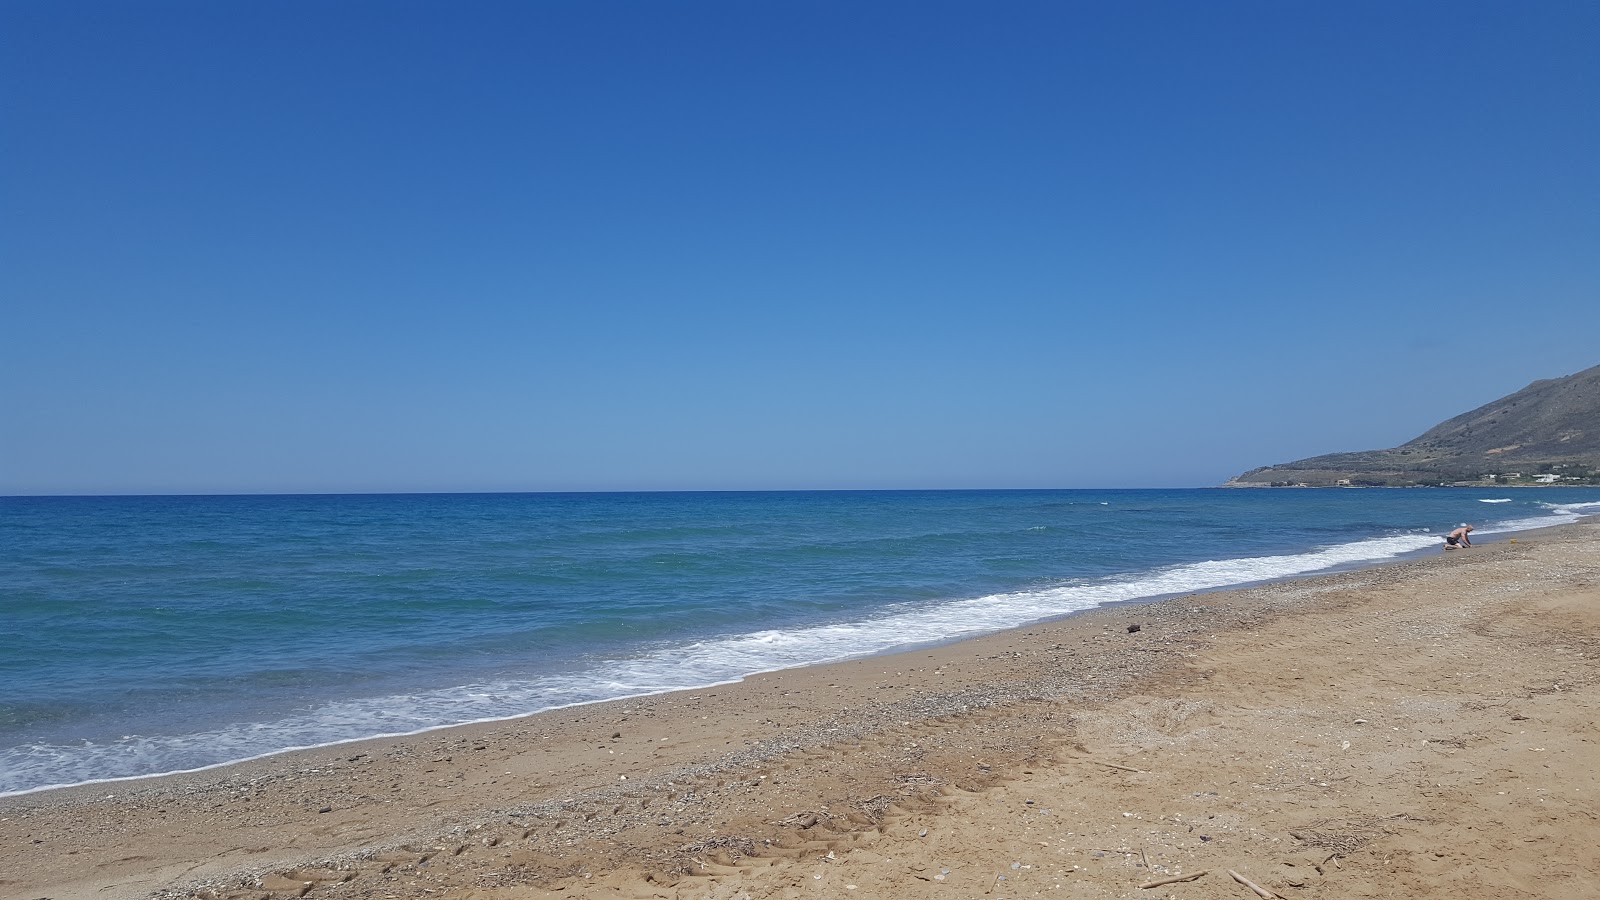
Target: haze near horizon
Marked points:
308	247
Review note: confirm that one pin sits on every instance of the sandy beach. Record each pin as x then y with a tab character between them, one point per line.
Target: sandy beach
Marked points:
1421	729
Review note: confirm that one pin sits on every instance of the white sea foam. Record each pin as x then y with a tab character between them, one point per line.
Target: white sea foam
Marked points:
1555	514
683	666
1500	500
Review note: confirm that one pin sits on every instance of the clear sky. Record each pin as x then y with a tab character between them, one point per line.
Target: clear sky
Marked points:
378	246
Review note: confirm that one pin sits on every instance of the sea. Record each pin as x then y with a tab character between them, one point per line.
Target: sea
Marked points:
148	635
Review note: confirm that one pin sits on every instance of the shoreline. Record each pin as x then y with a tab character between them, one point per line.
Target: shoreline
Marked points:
113	782
640	788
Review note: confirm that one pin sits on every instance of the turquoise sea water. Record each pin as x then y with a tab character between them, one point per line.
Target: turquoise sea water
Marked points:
141	635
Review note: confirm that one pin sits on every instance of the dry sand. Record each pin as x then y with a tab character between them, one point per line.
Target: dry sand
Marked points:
1422	729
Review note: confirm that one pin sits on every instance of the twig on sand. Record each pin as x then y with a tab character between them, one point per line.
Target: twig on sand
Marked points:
1123	768
1175	879
1144	859
1261	892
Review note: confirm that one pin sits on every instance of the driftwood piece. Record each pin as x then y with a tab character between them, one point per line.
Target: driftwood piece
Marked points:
1175	879
1123	768
1261	892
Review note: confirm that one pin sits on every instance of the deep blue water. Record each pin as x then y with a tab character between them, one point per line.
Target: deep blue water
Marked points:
152	634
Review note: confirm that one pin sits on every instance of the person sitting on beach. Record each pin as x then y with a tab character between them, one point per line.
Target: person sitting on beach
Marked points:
1458	538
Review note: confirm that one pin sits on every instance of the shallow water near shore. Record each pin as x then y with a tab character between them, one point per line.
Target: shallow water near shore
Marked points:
154	634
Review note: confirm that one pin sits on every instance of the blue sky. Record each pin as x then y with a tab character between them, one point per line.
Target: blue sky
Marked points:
378	246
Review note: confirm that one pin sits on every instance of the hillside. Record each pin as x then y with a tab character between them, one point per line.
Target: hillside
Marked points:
1550	428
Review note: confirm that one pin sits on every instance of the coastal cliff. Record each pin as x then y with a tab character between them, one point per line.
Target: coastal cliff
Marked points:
1546	433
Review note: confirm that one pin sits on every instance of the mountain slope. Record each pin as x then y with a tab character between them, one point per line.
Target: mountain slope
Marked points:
1550	427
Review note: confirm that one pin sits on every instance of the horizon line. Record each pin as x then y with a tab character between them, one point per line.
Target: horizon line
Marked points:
491	493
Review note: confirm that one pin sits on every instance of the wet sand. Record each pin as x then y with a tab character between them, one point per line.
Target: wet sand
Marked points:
1421	729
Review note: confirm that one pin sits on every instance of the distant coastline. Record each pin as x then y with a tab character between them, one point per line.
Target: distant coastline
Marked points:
1251	485
1544	435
